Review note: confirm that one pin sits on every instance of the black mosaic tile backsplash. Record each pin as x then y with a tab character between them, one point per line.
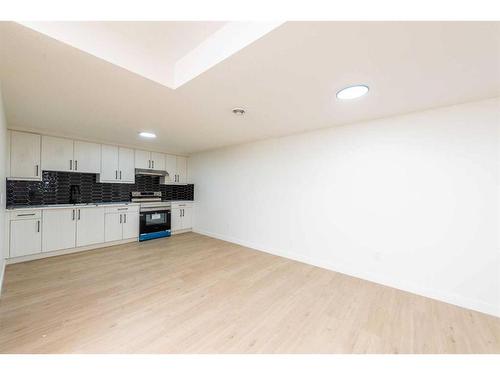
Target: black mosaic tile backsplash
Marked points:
55	189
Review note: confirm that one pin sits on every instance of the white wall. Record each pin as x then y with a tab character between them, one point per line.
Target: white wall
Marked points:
3	154
409	201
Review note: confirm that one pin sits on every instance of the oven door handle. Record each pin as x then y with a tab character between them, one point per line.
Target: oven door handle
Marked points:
154	210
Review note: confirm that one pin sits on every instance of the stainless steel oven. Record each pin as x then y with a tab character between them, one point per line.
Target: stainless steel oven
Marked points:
154	215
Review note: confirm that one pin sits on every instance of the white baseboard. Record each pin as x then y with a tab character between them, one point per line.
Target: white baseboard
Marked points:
346	269
67	251
2	273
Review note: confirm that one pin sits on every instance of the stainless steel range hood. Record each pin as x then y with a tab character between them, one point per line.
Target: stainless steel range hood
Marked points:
150	172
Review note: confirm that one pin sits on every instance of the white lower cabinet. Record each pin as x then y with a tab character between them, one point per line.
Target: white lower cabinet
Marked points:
181	216
72	227
25	235
59	229
121	223
89	226
112	227
130	225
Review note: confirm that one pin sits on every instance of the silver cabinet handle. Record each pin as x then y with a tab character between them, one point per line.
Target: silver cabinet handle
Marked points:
116	175
153	164
36	170
120	218
149	163
78	214
123	209
120	175
38	226
25	214
71	165
73	215
76	165
124	218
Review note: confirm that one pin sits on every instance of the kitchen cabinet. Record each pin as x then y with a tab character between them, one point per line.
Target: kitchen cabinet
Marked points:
149	160
126	165
176	167
59	229
25	237
171	168
66	155
24	156
181	216
57	154
181	169
142	159
117	164
121	223
113	227
67	228
130	225
89	226
87	157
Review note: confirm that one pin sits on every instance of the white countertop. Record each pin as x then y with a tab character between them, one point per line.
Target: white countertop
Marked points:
79	205
82	205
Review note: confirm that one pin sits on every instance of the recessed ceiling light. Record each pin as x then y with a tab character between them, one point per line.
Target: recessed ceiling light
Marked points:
352	92
147	135
238	111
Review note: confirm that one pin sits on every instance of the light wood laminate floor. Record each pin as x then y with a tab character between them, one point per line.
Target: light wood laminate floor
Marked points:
195	294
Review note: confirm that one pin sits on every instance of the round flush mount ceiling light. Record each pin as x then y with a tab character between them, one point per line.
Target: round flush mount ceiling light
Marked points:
352	92
147	135
238	111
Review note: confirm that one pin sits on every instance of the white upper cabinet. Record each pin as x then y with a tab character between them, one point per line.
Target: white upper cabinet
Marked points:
142	159
158	161
176	166
87	157
181	169
126	165
149	160
117	165
24	156
57	154
66	155
171	168
109	163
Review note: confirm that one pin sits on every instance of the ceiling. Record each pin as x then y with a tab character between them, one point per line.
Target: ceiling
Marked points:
286	78
150	49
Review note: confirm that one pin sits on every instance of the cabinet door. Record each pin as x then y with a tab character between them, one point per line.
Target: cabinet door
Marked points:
181	169
57	154
127	165
176	219
187	217
171	168
113	227
87	157
59	229
158	161
142	159
25	237
130	225
25	156
89	226
109	163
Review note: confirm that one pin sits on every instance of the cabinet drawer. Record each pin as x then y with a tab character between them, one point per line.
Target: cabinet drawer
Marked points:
26	214
182	205
121	209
